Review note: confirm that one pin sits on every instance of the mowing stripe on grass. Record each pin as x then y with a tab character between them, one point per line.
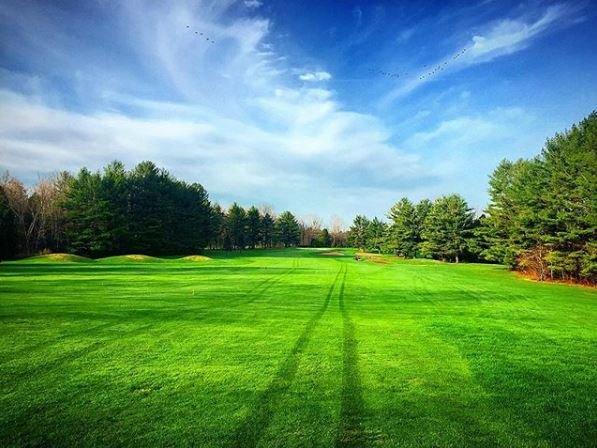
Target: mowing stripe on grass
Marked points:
251	429
51	365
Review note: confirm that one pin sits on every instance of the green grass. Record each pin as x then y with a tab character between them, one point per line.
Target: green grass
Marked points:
293	348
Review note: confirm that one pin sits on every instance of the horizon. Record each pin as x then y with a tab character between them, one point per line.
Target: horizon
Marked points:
317	109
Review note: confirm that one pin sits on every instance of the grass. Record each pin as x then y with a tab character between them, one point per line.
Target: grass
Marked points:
291	348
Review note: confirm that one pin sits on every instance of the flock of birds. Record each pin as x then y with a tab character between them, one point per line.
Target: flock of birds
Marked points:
436	69
202	35
391	75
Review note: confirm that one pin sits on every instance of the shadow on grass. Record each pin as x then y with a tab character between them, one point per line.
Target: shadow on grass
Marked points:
251	429
350	433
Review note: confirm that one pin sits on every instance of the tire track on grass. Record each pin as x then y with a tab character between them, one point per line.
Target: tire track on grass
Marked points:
250	431
350	433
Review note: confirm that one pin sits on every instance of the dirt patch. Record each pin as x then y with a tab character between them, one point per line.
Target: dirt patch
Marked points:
374	258
196	258
332	254
535	279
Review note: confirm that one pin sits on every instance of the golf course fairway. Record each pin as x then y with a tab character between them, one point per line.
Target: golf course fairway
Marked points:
292	347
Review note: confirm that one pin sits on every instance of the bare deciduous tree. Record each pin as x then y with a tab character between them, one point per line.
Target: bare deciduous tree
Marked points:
337	231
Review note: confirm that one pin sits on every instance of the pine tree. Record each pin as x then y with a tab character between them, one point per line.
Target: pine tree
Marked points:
357	234
89	213
403	235
287	229
447	228
267	228
236	220
376	235
253	227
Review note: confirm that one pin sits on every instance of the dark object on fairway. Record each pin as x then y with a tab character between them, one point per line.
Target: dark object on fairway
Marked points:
357	257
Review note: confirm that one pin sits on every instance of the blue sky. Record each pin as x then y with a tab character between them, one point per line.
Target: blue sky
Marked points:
323	107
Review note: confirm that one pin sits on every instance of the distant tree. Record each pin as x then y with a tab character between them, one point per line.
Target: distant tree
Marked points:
117	189
267	228
88	214
357	234
422	209
325	238
337	232
376	235
17	201
322	239
310	228
236	219
217	231
151	209
46	215
404	232
287	229
8	229
253	232
447	228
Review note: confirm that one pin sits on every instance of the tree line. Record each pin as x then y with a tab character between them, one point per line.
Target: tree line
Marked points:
443	229
541	217
115	211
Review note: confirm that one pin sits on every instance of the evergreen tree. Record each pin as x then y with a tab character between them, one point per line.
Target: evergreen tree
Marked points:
117	190
151	210
542	214
288	230
267	228
253	227
404	232
357	234
322	239
421	211
88	214
236	220
217	231
447	228
376	235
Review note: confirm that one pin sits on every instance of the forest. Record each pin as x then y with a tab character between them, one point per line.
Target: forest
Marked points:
541	217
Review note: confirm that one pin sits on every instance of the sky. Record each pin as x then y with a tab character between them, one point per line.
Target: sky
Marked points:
320	107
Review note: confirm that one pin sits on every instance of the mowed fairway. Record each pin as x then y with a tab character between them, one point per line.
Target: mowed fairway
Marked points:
293	348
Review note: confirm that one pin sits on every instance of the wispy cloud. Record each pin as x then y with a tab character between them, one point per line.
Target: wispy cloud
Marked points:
252	4
500	38
232	118
315	76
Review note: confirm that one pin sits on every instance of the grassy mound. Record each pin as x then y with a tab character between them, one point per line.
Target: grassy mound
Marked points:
195	258
133	258
57	258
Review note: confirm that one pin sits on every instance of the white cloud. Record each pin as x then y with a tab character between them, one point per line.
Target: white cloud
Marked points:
232	123
315	76
253	3
228	115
